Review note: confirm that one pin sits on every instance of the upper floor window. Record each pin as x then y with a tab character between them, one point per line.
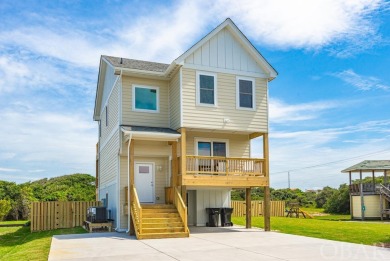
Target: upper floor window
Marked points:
206	89
245	93
145	98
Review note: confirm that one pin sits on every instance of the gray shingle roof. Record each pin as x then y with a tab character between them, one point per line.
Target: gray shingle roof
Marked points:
369	165
136	64
149	129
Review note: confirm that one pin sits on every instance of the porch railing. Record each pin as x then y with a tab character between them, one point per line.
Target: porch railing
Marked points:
367	187
204	165
181	208
136	211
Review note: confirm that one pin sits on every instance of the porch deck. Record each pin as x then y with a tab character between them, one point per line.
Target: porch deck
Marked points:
223	171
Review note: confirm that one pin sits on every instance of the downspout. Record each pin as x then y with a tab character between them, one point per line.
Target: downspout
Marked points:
119	208
128	184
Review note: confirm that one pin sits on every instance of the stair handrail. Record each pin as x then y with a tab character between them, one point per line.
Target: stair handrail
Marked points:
136	212
181	208
385	190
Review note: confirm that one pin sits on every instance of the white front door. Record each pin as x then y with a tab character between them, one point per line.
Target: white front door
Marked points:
144	182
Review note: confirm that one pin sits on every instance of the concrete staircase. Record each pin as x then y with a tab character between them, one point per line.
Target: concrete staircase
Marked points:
161	221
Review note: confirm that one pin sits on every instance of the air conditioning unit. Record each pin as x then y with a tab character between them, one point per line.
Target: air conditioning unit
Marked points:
97	214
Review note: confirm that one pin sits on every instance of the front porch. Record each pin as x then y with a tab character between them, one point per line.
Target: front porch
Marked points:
186	171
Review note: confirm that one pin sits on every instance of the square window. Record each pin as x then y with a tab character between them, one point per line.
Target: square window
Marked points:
145	98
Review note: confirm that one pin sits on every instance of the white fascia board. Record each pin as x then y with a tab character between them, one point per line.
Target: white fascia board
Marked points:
99	92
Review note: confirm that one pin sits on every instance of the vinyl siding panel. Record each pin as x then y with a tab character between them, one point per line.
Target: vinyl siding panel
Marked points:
210	198
122	198
174	101
131	117
225	52
109	160
202	117
109	80
113	114
111	190
372	204
239	144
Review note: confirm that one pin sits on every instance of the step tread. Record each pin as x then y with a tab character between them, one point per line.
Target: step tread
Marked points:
158	206
162	230
163	235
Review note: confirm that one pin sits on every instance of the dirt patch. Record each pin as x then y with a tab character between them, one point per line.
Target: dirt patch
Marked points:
385	245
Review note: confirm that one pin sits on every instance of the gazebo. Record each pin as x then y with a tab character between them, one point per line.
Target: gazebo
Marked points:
369	200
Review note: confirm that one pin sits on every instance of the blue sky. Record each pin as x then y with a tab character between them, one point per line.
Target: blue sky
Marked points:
329	106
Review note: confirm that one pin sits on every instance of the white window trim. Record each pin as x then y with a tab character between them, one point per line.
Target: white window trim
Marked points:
198	103
238	78
146	87
199	139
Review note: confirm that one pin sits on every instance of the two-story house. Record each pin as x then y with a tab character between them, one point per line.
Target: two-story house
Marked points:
174	139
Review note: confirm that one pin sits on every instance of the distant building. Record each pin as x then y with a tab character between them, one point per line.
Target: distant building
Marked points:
369	200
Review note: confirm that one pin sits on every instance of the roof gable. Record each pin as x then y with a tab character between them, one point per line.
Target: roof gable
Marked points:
226	47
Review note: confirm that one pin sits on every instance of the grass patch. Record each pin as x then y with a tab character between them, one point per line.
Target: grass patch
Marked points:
18	243
354	232
13	223
313	210
334	217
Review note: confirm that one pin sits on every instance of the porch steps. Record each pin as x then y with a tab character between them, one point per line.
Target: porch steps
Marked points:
161	221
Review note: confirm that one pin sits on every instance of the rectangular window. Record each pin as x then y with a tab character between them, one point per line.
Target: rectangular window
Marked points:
145	98
100	128
206	89
245	93
214	149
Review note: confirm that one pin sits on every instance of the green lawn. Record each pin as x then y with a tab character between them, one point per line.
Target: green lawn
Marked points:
330	228
18	243
13	223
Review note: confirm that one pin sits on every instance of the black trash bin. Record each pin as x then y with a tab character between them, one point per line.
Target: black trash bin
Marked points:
213	216
226	217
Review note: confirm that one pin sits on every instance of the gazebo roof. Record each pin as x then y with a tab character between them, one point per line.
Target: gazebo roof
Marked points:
369	165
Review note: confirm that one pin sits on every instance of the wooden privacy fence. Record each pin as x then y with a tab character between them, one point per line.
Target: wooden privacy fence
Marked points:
239	208
59	214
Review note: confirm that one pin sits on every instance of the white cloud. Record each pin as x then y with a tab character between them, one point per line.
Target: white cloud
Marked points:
36	170
361	82
306	24
281	112
7	155
166	32
8	170
44	137
345	146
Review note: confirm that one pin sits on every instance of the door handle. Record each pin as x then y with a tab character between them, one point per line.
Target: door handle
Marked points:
151	183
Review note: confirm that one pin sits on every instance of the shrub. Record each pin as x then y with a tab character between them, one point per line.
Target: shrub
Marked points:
5	207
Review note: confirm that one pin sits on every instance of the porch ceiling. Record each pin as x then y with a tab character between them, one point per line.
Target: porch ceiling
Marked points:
150	133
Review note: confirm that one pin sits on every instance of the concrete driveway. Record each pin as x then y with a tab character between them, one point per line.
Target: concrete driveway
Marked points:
226	244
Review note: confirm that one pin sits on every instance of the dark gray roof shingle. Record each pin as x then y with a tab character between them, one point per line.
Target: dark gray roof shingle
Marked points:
369	165
136	64
149	129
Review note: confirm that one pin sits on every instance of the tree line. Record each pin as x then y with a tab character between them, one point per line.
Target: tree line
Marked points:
15	199
335	201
